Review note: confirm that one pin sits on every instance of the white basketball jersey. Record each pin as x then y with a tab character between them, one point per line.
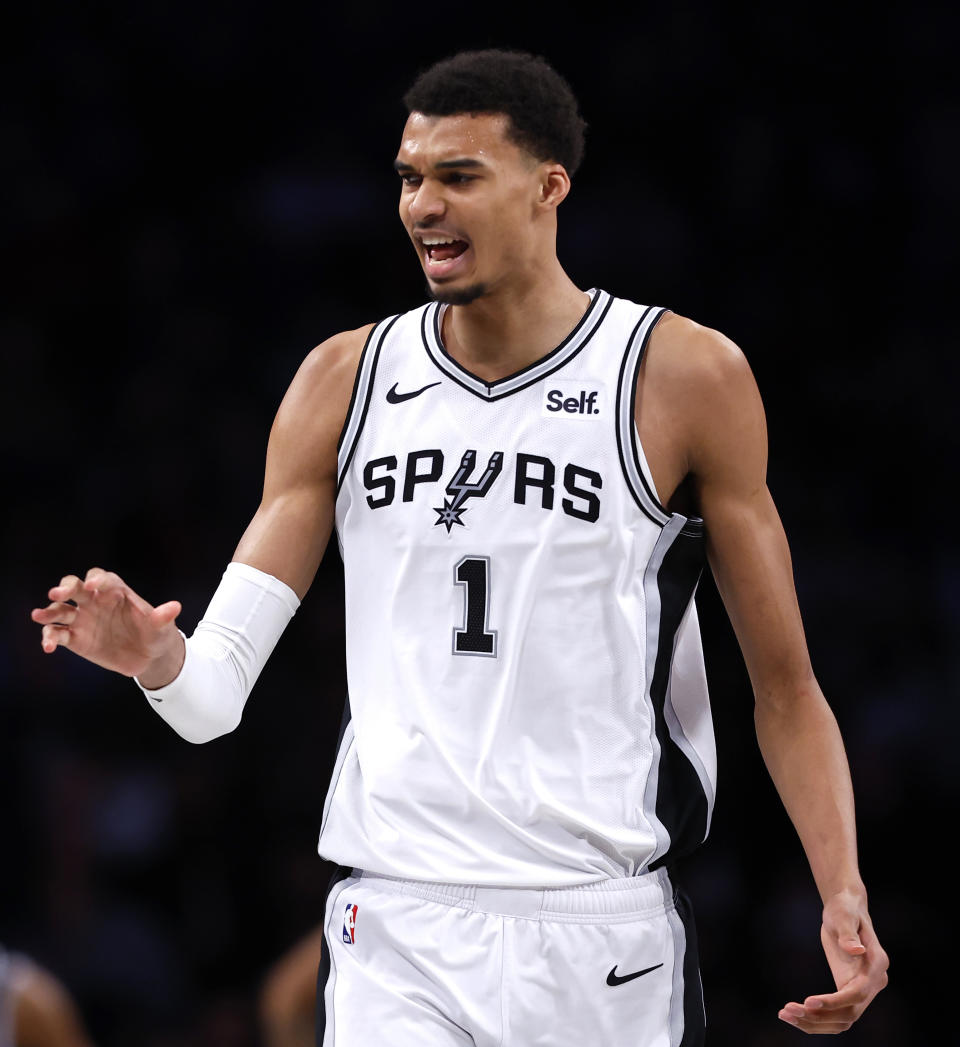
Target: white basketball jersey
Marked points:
527	699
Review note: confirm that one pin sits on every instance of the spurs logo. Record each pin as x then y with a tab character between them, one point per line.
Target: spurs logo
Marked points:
460	488
536	481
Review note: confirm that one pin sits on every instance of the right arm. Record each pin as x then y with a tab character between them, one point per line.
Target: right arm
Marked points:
103	620
290	530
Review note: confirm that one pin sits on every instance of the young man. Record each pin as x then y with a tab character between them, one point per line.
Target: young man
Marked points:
523	477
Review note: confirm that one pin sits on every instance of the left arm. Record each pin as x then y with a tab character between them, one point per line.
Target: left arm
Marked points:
800	743
726	446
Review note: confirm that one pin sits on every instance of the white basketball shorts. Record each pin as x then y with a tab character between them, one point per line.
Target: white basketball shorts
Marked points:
413	964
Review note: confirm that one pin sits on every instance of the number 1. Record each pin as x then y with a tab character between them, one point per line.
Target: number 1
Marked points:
473	573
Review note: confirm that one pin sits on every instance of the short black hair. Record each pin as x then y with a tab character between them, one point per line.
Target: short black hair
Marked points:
541	107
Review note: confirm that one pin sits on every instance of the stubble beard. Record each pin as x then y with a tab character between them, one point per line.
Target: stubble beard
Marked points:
463	296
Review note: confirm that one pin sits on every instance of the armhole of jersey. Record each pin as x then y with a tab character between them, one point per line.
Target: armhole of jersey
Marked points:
636	470
360	400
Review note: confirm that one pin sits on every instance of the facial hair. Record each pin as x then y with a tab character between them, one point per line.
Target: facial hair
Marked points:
464	296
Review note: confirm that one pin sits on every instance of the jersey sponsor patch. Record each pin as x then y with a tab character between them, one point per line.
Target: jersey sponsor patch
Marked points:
573	399
350	924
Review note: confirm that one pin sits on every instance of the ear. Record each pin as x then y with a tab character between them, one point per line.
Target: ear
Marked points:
554	185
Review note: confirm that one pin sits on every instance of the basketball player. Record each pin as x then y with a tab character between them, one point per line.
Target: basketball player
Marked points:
36	1010
524	477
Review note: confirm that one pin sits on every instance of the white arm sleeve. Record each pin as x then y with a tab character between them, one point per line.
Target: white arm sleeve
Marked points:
246	617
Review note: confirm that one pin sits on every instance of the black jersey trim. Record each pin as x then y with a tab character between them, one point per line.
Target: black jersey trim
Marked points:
436	314
643	494
621	420
587	326
343	751
694	1015
682	805
363	387
632	400
356	386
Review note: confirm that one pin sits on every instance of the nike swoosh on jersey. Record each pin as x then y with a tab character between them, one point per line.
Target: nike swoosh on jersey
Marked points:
393	397
615	979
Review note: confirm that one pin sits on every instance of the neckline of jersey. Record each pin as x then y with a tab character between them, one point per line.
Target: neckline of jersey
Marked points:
587	325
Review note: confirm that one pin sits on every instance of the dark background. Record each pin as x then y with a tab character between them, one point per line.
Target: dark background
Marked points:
196	194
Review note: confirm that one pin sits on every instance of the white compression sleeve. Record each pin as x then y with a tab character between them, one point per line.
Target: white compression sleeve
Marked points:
226	653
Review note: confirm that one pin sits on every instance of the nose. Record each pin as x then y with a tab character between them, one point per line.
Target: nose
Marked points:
427	203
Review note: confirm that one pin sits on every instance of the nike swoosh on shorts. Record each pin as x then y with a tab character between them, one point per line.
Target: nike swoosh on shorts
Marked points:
615	979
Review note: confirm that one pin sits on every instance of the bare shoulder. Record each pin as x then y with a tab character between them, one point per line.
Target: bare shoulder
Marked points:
315	405
38	990
336	359
703	408
46	1012
302	450
328	372
684	351
699	373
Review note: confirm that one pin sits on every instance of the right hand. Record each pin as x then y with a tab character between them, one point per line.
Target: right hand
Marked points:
103	620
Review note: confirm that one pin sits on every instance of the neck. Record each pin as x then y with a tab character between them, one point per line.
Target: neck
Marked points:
513	326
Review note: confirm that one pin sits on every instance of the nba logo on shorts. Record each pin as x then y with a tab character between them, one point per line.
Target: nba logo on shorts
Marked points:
349	924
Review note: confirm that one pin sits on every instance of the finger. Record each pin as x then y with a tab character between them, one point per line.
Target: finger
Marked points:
825	1014
814	1019
853	994
99	580
70	588
854	997
54	636
848	938
166	612
814	1027
108	598
55	614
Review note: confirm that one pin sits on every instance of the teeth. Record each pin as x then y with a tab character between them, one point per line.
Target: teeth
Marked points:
435	242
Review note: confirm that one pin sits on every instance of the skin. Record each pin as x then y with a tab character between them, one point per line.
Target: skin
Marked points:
289	993
45	1014
701	423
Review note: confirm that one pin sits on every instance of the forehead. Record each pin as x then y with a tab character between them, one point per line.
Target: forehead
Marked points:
428	140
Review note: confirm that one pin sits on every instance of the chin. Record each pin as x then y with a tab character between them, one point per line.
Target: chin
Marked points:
457	296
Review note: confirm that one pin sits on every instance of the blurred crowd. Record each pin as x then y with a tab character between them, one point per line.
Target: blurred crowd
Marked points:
197	194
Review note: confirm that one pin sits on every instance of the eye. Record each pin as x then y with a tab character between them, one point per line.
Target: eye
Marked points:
411	179
459	179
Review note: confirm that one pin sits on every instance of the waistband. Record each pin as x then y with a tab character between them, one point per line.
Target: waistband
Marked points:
614	901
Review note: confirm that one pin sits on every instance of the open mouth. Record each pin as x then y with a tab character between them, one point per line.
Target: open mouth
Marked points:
443	249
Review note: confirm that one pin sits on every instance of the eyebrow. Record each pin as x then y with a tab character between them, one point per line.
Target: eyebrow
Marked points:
442	165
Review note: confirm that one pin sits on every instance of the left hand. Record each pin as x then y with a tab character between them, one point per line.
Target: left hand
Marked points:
858	964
